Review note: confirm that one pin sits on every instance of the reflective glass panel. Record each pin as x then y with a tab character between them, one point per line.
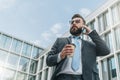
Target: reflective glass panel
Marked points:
46	74
21	76
119	59
5	75
117	38
40	76
105	70
5	41
31	77
23	65
41	63
3	56
33	66
1	72
109	41
27	49
12	61
115	15
100	23
92	25
106	20
112	69
35	53
119	8
16	46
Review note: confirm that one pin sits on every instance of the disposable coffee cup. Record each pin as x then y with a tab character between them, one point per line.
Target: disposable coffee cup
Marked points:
73	47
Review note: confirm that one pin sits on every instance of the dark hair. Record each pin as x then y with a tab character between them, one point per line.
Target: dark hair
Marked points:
78	16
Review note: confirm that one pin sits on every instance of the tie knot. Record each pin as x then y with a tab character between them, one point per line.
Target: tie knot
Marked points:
76	37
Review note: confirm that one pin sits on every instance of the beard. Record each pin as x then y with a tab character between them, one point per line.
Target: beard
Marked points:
75	31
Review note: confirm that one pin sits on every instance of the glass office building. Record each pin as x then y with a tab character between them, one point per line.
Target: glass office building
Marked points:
21	60
18	58
106	20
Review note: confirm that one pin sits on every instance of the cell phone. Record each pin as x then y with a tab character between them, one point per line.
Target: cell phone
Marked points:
83	30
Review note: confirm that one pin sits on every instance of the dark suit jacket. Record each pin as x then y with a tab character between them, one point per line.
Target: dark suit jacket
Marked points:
89	53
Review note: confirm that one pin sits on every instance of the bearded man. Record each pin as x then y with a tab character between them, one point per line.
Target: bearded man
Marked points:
75	58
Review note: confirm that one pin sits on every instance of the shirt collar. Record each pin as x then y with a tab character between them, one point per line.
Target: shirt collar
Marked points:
78	37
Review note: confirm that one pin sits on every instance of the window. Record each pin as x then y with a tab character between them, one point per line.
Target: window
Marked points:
16	46
106	20
119	59
31	77
3	56
112	69
40	76
5	41
115	15
105	70
36	52
12	61
119	8
11	75
41	63
100	23
109	41
1	72
117	38
33	66
103	21
46	74
27	49
23	65
92	24
21	76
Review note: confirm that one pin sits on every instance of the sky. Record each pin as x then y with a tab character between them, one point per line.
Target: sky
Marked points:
42	21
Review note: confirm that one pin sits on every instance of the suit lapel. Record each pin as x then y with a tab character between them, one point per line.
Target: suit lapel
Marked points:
69	40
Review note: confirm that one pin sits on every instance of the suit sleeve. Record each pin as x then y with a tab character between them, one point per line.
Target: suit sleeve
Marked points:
101	47
52	57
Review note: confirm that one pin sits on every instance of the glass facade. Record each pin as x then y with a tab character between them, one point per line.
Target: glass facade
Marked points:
3	57
16	46
35	53
40	76
108	41
27	49
23	64
18	59
105	72
25	61
119	60
109	69
12	61
106	20
21	76
100	22
33	66
5	75
92	24
115	14
41	63
117	38
112	68
5	41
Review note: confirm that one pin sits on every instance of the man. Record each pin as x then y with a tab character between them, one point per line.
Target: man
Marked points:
82	65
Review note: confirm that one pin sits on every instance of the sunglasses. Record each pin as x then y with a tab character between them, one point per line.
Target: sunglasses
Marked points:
76	21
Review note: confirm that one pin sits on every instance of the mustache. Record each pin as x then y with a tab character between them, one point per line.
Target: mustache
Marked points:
74	26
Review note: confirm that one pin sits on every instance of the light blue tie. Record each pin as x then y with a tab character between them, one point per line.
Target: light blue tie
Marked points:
76	56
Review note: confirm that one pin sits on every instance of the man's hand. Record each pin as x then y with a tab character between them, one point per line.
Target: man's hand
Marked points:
67	50
88	30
